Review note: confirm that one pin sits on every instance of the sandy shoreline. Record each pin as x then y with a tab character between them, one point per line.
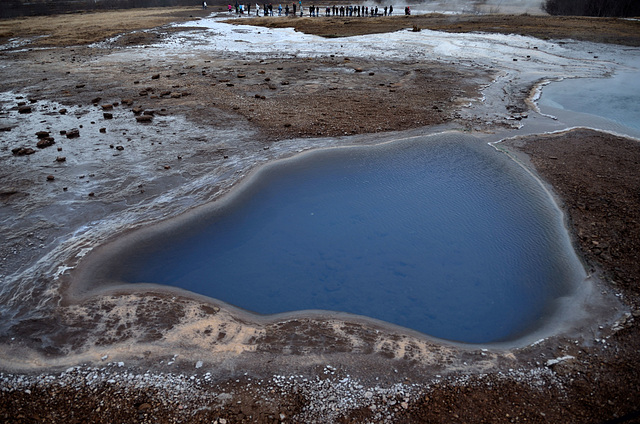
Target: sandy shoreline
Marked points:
297	369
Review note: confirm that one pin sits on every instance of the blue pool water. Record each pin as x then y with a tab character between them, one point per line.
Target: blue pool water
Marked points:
614	98
442	236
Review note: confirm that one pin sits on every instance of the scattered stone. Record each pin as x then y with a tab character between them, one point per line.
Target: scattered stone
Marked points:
92	194
96	100
176	95
103	130
62	111
242	76
5	129
22	151
167	167
45	142
284	83
61	159
107	115
73	133
80	85
149	112
24	109
358	69
143	93
144	118
50	178
127	102
137	110
156	76
107	106
42	134
120	148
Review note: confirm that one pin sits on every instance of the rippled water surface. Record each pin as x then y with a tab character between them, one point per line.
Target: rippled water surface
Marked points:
443	237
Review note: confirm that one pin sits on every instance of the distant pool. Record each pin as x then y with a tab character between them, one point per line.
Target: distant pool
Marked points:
614	98
442	235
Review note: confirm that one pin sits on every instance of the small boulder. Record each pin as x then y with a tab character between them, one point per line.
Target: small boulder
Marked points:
22	151
42	134
107	115
45	142
24	109
74	133
144	118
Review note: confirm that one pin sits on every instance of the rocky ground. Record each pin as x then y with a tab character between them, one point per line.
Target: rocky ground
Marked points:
329	371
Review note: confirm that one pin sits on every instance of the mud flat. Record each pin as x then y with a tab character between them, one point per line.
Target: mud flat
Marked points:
156	355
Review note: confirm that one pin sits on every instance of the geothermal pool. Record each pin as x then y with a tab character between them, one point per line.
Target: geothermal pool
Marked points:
607	103
442	234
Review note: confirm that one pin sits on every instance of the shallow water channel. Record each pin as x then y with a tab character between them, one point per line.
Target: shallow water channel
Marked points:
440	234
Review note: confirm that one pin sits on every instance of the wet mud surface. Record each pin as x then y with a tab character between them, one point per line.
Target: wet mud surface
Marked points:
161	356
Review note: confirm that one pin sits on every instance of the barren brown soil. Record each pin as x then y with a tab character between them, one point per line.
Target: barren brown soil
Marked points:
595	175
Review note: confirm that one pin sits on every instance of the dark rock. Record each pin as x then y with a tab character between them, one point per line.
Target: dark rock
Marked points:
92	194
96	100
149	112
107	115
73	133
22	151
127	102
61	159
62	111
5	129
144	118
120	148
24	109
103	130
137	110
143	93
107	106
80	85
50	178
156	76
45	142
176	95
42	134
